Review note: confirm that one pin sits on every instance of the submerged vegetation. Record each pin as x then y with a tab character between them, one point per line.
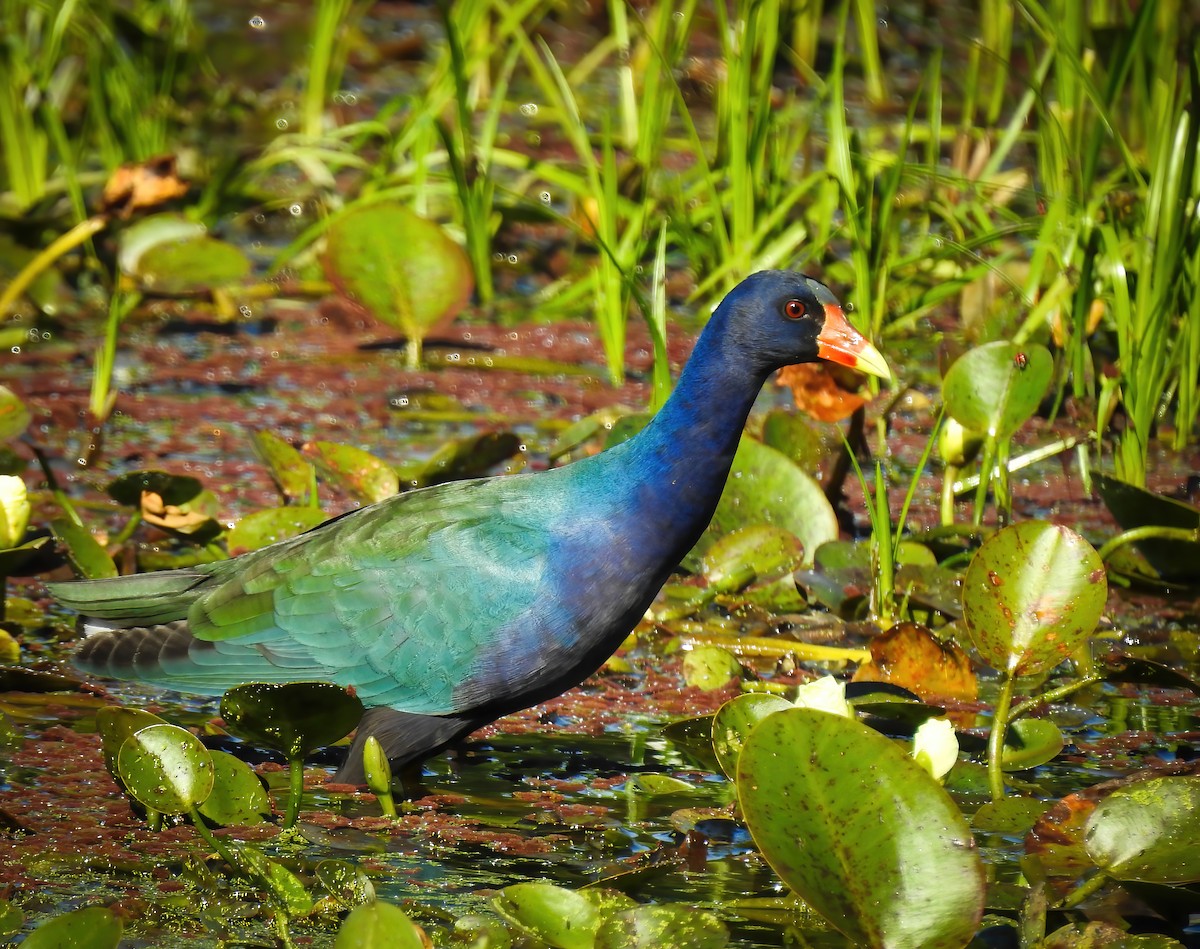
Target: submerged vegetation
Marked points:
1014	217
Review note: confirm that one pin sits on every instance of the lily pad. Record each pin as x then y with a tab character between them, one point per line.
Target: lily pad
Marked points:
286	889
749	554
766	487
559	917
292	473
401	268
173	489
346	882
271	525
115	724
710	667
379	926
992	390
292	717
734	722
90	560
93	927
1147	831
238	797
368	478
467	457
1032	594
1030	742
140	236
1134	507
193	265
860	832
661	927
166	769
14	416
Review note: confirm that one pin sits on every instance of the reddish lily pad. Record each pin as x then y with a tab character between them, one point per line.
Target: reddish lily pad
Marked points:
860	831
1032	594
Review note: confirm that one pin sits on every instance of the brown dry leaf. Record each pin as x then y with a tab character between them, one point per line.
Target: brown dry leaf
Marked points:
909	655
820	392
143	185
155	512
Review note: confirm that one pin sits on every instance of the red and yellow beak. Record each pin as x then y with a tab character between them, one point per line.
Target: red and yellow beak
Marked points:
840	342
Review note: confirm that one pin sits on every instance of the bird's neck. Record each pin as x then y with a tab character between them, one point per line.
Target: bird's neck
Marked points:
677	466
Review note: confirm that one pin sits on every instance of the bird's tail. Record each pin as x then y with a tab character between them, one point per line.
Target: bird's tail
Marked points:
144	599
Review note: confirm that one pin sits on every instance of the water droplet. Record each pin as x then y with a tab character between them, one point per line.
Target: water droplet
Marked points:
16	350
545	196
296	210
257	23
529	109
281	124
512	258
245	310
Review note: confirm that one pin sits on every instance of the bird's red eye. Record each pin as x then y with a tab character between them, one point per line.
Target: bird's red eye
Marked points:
794	309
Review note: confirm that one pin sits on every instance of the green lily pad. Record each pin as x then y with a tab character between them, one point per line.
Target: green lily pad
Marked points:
13	559
658	785
292	473
766	487
990	389
1032	594
734	722
798	437
115	724
192	265
558	916
467	457
1014	816
286	889
1133	507
23	679
271	525
694	737
165	768
358	472
14	416
346	882
11	919
1030	742
749	554
710	667
238	798
292	717
137	238
860	831
661	927
90	560
1147	831
401	268
379	926
93	927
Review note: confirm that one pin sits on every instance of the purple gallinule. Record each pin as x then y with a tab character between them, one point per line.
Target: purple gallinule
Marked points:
448	607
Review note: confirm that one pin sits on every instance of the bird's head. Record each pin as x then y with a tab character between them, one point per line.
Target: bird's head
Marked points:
783	318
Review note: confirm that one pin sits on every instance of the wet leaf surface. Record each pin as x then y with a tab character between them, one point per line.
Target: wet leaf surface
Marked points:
1147	831
294	718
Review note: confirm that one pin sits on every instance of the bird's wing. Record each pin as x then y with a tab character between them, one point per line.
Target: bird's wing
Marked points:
400	601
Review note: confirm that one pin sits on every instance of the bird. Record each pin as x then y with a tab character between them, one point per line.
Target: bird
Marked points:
448	607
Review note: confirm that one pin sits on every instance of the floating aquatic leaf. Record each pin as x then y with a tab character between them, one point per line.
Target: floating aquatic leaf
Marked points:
1032	594
1135	507
93	927
171	489
11	919
860	831
292	717
90	560
271	525
137	238
990	391
558	916
749	554
399	267
1030	742
710	667
115	724
467	457
765	487
379	926
661	927
1147	831
238	797
193	265
368	478
292	473
166	769
287	889
346	882
911	656
14	559
14	416
658	785
1011	815
734	722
